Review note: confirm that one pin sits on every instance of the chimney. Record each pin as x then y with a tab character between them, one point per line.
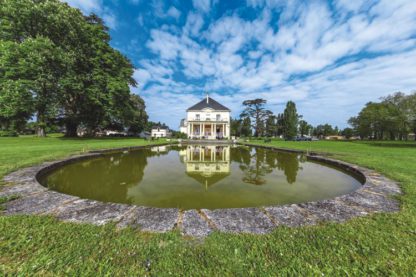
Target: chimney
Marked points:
207	99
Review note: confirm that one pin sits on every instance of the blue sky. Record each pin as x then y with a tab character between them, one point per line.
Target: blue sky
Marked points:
330	57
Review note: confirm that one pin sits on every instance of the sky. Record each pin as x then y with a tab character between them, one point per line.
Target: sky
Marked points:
329	57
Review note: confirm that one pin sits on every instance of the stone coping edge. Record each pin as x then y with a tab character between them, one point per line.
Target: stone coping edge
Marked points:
374	196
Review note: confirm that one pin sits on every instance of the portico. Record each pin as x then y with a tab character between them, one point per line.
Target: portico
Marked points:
205	130
207	119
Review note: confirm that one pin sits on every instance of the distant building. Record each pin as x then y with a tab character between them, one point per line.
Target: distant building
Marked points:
144	134
335	137
160	132
207	119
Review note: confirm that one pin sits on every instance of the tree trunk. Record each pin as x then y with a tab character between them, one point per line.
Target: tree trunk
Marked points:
40	122
40	131
71	129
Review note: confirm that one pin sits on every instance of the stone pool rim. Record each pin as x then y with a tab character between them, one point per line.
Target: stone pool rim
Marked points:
374	195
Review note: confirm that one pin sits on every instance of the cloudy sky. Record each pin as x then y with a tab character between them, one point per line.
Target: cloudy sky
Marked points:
330	57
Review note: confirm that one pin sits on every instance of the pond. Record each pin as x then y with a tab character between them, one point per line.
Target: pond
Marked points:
201	176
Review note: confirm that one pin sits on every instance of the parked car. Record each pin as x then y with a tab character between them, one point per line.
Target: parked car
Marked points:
303	138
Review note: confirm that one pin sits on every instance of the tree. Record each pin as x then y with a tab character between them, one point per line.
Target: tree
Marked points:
66	62
385	120
36	62
235	127
304	128
324	130
347	133
271	126
256	112
16	104
246	127
136	116
290	121
279	124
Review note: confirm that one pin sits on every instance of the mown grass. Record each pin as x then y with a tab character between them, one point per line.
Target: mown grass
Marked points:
29	150
381	244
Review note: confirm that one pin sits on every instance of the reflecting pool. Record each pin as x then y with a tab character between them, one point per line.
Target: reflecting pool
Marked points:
201	176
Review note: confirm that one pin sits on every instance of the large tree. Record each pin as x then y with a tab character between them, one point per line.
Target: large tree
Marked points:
36	63
136	116
290	121
257	113
379	121
75	75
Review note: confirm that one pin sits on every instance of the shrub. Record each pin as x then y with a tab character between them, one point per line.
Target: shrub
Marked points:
7	133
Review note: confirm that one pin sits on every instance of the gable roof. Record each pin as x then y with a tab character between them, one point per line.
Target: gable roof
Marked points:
209	103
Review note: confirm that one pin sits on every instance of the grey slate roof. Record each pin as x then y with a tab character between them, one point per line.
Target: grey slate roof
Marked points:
211	103
160	127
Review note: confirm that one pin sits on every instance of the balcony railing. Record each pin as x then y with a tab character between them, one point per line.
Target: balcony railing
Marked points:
209	119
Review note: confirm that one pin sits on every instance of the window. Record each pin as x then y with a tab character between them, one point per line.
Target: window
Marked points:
197	116
208	117
218	117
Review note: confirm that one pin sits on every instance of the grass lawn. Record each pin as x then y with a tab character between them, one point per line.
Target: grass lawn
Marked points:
380	244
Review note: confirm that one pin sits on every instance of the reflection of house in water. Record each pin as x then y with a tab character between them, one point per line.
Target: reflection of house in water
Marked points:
207	164
159	149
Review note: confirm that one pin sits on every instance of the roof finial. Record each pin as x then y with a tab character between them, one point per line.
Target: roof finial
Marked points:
207	98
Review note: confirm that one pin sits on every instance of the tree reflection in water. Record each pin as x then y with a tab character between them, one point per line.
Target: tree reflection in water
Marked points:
256	163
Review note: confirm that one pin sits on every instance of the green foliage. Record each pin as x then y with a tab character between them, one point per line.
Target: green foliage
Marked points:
235	127
59	66
256	112
179	135
348	133
8	133
290	121
324	130
393	118
246	127
272	128
304	128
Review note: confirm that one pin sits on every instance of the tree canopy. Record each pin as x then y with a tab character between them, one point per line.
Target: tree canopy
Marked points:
290	121
257	113
392	118
58	66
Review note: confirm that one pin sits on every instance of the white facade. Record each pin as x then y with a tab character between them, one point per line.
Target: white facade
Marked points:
158	132
207	120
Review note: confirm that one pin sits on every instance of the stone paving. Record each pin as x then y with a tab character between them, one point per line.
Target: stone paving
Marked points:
374	196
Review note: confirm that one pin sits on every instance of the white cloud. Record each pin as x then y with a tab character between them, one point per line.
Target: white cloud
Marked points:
203	5
86	6
194	23
97	7
173	12
330	63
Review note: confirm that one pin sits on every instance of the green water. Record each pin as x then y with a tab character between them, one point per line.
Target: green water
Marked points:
195	176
